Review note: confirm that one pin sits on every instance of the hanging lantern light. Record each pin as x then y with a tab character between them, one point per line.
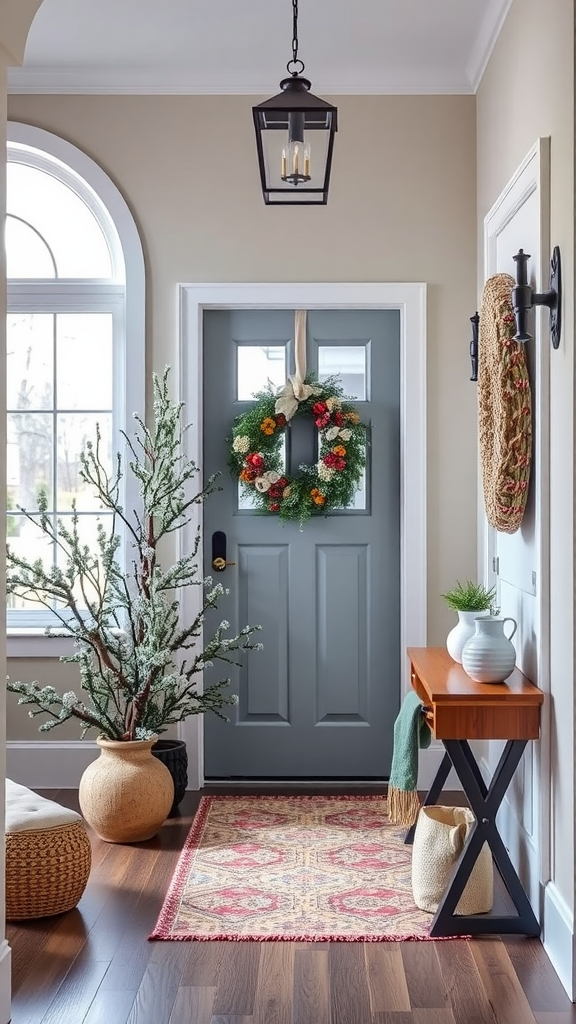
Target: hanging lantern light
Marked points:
295	138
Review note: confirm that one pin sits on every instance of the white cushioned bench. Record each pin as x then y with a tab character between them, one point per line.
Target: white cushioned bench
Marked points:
48	855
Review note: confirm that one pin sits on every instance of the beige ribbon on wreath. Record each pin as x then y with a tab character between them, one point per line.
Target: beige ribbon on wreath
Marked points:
295	390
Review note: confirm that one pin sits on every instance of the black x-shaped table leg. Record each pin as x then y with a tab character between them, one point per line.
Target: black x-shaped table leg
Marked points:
484	802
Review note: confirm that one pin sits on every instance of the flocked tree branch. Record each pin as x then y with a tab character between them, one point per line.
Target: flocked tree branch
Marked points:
140	668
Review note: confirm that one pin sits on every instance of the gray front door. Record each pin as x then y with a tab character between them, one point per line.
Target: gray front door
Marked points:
321	698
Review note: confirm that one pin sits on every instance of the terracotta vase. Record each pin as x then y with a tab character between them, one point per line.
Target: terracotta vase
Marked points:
126	793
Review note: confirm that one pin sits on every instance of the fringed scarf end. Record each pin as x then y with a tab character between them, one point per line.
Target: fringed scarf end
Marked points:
403	806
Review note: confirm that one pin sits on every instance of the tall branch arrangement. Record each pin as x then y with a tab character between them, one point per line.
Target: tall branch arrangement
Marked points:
139	663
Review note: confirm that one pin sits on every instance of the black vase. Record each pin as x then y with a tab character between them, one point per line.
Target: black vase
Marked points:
174	755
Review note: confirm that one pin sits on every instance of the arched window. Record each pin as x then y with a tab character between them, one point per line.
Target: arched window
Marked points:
75	334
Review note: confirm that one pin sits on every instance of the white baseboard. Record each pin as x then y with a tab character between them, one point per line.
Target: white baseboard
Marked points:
49	764
429	762
558	937
5	982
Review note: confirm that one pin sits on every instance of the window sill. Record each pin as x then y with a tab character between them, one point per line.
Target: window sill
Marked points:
33	643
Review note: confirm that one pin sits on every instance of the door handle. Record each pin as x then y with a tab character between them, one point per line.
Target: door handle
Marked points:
219	560
219	564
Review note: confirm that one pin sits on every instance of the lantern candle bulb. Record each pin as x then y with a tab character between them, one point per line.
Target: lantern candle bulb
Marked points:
284	166
295	161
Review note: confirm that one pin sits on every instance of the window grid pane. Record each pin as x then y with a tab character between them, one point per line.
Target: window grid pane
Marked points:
62	219
56	362
30	361
27	254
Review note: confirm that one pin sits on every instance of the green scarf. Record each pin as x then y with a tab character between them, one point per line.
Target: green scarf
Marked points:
411	733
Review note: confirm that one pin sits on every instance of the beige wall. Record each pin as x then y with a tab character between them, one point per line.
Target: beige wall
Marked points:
527	92
401	208
16	16
18	723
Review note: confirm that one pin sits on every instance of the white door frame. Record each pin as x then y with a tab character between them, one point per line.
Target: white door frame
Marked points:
410	300
533	175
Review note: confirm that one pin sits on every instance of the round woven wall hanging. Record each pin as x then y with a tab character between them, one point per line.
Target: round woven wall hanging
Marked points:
504	408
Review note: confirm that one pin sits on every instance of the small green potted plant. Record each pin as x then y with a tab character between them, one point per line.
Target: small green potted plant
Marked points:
469	600
140	663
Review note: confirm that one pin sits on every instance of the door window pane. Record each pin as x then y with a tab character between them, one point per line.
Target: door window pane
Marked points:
259	365
359	500
347	362
246	499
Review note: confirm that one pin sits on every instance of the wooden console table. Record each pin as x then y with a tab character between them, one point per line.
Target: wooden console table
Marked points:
458	710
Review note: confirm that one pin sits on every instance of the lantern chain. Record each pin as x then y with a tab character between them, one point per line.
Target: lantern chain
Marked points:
295	66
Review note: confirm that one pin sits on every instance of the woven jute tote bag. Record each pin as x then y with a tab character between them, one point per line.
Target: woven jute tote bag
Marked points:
438	841
504	408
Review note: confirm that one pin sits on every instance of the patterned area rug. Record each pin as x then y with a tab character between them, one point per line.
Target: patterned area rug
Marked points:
300	868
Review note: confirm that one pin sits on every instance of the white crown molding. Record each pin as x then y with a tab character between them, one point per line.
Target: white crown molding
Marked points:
170	82
496	14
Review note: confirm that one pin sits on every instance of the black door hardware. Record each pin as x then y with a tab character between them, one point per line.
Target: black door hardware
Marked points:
523	298
219	561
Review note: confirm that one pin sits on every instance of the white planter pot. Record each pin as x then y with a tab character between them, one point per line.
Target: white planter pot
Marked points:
489	656
463	631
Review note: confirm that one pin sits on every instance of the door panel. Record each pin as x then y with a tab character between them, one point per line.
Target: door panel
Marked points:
321	698
341	600
263	599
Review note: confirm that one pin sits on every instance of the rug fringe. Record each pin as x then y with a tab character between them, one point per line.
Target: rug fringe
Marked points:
403	806
156	936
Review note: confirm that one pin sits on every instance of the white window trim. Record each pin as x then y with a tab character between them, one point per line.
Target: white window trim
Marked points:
109	207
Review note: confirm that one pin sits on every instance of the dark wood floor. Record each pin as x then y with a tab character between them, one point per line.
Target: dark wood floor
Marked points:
94	965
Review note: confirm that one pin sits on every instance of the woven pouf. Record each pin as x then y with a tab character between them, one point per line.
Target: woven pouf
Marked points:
47	855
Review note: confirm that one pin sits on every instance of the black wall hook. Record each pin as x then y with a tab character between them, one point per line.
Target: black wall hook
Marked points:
474	320
523	298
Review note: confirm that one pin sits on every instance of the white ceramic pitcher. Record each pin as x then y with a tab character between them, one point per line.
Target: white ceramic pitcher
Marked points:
489	656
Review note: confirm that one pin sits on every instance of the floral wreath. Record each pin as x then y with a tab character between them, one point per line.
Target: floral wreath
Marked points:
255	456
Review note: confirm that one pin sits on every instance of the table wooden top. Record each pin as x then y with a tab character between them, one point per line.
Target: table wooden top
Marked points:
460	708
446	681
